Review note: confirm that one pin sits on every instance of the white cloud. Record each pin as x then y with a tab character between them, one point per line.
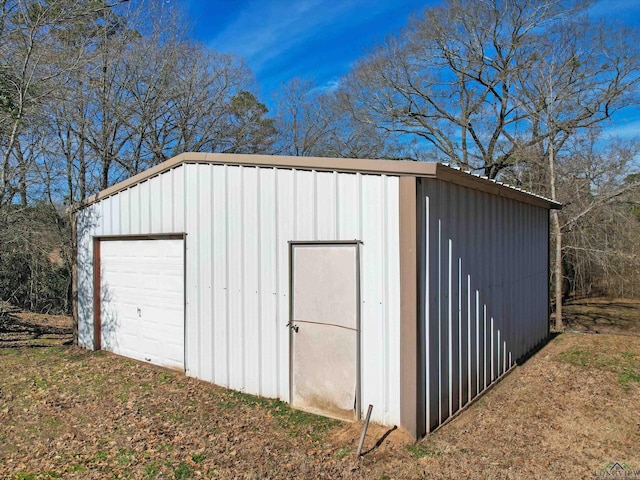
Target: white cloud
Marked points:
266	30
330	85
624	130
604	8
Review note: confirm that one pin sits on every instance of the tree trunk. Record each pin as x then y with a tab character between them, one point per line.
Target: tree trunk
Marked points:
104	174
557	268
5	195
70	183
22	179
557	233
82	174
73	218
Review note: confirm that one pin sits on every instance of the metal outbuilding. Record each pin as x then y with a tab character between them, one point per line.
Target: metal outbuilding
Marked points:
328	283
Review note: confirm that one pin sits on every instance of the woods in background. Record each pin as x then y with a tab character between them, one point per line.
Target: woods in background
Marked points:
93	92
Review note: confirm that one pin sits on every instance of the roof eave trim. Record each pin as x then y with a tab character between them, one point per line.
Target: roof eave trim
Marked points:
343	165
468	179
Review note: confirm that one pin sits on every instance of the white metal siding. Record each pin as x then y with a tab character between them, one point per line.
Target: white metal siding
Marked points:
86	228
238	221
484	290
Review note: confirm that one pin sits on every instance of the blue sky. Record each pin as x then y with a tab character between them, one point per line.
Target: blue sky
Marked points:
283	39
320	39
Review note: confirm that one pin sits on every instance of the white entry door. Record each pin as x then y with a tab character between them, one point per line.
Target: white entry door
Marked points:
142	300
325	329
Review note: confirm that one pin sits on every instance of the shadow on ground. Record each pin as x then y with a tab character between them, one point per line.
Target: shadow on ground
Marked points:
24	329
603	315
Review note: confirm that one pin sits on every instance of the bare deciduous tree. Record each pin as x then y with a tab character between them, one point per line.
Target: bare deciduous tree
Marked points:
34	63
93	92
319	122
451	78
584	73
491	85
599	230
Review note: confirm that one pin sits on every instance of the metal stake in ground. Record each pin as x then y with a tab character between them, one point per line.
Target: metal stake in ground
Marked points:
364	431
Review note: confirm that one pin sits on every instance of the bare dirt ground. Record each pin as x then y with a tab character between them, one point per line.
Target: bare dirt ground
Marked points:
567	412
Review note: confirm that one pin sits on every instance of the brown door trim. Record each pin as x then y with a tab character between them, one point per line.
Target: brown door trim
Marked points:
97	293
151	236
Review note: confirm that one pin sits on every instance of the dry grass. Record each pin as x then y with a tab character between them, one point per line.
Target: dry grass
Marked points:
69	413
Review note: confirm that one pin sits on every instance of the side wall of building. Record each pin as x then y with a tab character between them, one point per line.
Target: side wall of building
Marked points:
483	285
238	222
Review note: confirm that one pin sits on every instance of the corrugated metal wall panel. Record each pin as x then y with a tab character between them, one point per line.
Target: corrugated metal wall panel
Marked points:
155	204
178	210
285	219
239	221
305	205
251	281
391	298
86	229
372	287
192	268
116	223
270	326
125	212
145	208
134	205
105	213
205	247
220	278
166	204
483	280
348	207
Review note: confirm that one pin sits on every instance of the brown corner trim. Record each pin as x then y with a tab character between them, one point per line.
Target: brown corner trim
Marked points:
408	306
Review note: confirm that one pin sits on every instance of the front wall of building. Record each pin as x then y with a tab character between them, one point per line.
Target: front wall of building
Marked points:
238	222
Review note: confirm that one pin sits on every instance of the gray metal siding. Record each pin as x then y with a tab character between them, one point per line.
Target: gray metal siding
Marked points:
483	291
238	221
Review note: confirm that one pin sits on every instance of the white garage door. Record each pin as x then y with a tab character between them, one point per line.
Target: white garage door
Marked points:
142	298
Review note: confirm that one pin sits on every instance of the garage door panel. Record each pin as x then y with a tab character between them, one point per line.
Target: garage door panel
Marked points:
143	300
